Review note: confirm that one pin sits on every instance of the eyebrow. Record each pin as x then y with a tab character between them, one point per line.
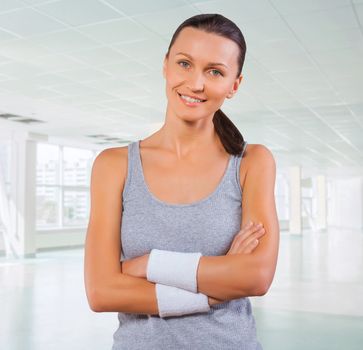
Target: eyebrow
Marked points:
209	64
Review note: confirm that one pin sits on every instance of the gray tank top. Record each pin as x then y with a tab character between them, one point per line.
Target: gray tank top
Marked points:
207	226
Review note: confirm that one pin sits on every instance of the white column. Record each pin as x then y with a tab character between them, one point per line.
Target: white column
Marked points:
295	220
321	220
24	167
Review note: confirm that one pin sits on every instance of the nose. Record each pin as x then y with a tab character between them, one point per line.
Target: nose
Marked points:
196	81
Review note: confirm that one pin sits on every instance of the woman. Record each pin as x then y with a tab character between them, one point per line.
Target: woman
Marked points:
192	251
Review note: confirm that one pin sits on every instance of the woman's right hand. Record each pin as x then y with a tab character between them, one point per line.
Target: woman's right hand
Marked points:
244	242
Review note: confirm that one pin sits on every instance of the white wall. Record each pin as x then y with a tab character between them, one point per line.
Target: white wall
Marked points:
345	205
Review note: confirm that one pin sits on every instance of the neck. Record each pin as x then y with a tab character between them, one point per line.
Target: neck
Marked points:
184	137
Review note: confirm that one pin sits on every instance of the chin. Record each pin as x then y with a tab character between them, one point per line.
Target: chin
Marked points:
191	117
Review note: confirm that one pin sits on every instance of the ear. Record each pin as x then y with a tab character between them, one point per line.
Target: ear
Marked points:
235	86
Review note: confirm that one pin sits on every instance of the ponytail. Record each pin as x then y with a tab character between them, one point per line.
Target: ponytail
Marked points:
228	133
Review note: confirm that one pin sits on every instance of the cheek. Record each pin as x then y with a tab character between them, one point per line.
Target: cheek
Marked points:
175	79
173	74
218	91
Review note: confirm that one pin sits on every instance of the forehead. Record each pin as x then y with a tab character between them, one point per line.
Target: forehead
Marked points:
205	46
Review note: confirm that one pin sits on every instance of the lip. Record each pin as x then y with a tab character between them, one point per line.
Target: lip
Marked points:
192	96
189	104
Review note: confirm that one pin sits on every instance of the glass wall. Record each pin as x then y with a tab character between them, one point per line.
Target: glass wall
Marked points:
62	186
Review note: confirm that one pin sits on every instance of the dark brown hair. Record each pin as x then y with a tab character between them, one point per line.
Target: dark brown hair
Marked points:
228	133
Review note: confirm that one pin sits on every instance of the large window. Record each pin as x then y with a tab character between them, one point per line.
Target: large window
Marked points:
63	178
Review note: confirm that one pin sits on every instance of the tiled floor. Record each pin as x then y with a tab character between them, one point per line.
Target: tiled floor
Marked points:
315	301
300	330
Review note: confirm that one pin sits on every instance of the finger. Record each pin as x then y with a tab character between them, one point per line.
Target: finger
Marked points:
239	239
241	236
240	246
251	247
248	230
245	248
255	235
251	238
252	244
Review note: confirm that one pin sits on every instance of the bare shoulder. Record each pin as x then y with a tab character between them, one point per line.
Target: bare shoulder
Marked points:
256	158
111	166
112	154
257	155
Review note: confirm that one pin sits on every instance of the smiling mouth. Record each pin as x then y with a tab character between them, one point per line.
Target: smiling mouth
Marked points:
191	99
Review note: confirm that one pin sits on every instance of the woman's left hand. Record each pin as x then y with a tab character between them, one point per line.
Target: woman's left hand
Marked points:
135	267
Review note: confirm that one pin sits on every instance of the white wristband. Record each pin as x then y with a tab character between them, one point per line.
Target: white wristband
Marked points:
176	269
176	301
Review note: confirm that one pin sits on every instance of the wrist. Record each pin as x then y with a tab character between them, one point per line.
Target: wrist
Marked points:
177	269
146	261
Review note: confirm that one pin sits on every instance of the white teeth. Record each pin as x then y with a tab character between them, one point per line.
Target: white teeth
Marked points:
190	99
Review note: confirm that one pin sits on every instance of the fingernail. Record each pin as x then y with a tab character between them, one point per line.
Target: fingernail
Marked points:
250	223
259	224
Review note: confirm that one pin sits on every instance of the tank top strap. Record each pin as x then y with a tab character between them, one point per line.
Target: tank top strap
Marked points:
133	179
237	164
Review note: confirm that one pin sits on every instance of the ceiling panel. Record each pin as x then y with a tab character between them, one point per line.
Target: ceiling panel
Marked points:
98	56
28	22
287	7
116	31
241	11
7	5
165	22
65	41
78	12
7	35
323	21
132	8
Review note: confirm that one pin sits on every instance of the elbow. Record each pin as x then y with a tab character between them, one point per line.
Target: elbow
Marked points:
96	307
261	289
263	283
94	301
104	295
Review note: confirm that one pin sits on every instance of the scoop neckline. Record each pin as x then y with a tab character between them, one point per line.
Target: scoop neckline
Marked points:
176	205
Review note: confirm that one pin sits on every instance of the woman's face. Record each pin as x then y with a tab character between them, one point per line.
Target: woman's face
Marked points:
201	65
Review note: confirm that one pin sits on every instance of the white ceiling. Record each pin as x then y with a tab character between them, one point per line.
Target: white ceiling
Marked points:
93	67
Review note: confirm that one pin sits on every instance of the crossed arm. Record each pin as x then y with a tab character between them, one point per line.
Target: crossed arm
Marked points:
239	275
222	277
